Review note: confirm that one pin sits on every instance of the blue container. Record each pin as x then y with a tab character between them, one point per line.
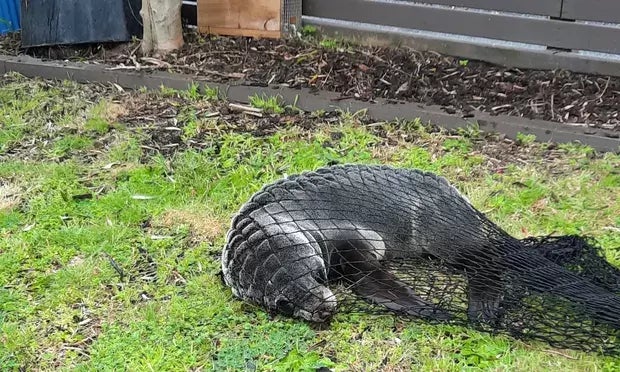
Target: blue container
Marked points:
9	16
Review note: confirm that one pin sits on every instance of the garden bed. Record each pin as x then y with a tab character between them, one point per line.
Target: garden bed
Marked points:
369	73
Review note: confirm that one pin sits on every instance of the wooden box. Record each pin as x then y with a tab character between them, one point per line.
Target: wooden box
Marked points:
253	18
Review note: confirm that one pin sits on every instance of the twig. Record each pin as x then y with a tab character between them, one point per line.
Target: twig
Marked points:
115	266
599	96
561	354
373	56
243	108
132	68
501	107
552	113
327	77
235	75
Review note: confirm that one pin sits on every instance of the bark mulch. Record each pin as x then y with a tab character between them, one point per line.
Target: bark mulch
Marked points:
368	73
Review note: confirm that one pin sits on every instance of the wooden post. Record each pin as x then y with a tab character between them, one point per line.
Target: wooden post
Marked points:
163	30
256	18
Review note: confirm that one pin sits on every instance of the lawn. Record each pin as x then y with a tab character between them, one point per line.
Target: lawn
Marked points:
114	207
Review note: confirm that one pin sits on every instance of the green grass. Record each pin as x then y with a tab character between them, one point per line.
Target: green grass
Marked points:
269	104
109	257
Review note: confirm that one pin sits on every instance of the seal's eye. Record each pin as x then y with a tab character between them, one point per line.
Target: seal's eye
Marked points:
285	307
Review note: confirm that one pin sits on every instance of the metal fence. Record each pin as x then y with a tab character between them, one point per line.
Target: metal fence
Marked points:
580	35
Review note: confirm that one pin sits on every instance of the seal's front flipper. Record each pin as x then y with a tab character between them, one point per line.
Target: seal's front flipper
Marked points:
384	288
368	279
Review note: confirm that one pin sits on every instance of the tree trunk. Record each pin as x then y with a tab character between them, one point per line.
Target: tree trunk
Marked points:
163	31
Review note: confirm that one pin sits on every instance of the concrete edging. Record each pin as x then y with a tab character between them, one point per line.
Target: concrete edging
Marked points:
545	131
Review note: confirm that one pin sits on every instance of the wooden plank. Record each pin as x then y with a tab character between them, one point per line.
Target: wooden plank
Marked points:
592	10
540	7
257	18
267	34
509	27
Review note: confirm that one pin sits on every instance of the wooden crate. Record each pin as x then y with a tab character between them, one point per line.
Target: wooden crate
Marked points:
256	18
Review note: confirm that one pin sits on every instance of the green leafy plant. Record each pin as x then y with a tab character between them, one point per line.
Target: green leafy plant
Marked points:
269	104
525	139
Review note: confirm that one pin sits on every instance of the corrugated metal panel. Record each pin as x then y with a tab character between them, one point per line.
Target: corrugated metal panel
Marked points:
522	28
58	22
9	16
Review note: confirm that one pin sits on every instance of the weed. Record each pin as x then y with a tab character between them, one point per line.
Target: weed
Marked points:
318	113
97	125
471	130
308	31
195	93
525	139
168	92
329	43
210	93
269	104
70	143
461	144
293	107
298	361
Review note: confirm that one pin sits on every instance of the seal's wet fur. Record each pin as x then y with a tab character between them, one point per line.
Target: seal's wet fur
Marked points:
298	235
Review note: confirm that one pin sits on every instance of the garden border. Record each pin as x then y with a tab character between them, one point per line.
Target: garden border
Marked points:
599	139
511	55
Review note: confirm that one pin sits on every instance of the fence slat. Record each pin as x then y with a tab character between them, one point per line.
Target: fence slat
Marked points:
542	31
540	7
592	10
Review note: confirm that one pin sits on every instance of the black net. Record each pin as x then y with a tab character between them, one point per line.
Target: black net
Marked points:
382	239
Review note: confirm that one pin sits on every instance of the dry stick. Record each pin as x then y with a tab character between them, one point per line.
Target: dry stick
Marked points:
604	90
238	107
327	77
561	354
115	266
236	75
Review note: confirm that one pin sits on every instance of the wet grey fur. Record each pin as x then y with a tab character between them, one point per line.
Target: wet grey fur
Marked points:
287	241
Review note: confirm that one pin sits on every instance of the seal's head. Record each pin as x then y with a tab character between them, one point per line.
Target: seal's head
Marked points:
305	298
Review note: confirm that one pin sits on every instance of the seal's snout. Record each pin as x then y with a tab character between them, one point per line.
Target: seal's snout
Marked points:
325	315
318	305
319	315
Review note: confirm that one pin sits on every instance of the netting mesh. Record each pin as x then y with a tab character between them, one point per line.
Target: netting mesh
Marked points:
290	16
381	239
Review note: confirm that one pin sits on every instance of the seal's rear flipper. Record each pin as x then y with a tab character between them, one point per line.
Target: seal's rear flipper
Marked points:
484	294
368	279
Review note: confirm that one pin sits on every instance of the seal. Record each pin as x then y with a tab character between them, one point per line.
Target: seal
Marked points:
296	236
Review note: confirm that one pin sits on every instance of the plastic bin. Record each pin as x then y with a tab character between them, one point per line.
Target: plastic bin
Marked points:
9	16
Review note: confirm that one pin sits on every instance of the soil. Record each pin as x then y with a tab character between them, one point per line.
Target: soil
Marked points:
160	124
155	116
368	73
